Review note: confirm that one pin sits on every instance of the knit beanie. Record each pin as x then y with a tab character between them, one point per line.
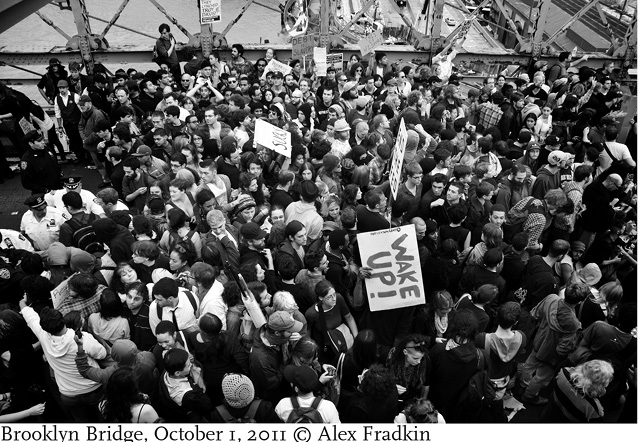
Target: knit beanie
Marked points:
238	390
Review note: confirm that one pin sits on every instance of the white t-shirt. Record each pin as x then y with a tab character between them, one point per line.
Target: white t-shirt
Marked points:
618	150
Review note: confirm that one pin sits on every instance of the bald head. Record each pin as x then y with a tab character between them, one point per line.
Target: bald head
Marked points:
420	226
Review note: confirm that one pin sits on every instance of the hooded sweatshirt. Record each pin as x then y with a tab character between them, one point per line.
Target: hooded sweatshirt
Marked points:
502	351
545	180
117	237
60	352
557	327
305	213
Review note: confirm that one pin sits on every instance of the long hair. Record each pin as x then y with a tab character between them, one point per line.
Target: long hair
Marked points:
121	393
364	350
592	377
377	383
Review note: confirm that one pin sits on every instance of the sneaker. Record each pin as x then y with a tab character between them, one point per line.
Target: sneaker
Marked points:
104	184
90	167
536	400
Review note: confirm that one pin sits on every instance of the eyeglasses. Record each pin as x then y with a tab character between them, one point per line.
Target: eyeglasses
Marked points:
261	65
420	346
343	79
232	81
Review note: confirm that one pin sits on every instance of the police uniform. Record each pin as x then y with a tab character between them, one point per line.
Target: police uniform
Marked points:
46	231
10	239
40	171
54	199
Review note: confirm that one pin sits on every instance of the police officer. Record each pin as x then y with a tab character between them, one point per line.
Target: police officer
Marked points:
12	240
40	170
41	224
74	184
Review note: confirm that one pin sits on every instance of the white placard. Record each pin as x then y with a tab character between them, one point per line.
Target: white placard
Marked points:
276	66
370	42
210	11
303	45
335	60
61	292
397	159
393	256
273	138
319	56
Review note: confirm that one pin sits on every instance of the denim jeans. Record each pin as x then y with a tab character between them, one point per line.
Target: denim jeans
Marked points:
84	407
535	375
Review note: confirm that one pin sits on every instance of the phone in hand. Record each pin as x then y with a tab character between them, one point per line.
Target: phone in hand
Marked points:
78	333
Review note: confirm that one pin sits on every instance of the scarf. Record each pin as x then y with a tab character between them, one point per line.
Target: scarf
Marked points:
440	322
177	388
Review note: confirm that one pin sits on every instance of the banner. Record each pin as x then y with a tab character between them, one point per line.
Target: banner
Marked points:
319	56
370	42
397	159
273	138
393	256
303	45
276	66
210	11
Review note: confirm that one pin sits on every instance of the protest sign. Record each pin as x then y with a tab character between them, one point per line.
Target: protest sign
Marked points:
370	42
210	11
397	159
273	138
276	66
335	60
303	45
319	56
393	256
61	292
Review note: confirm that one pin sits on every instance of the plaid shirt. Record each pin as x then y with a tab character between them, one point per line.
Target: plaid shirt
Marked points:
85	306
377	167
489	115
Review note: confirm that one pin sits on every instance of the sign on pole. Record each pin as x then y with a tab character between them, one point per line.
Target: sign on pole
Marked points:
210	11
276	66
393	256
319	56
397	159
303	45
370	42
335	60
273	138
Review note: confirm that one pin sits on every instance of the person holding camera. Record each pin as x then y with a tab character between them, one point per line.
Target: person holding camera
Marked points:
166	50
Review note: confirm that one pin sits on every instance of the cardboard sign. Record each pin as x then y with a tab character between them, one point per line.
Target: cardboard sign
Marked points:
370	42
61	292
210	11
303	45
335	60
393	256
319	56
276	66
397	159
273	138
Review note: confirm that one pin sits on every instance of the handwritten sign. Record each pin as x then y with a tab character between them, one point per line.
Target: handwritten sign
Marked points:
319	56
61	292
370	42
397	159
276	66
210	11
335	60
393	256
273	138
303	45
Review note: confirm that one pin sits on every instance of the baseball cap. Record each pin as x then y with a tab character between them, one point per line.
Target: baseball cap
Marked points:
85	99
251	231
552	140
142	151
556	157
63	83
35	201
302	377
392	82
283	321
72	182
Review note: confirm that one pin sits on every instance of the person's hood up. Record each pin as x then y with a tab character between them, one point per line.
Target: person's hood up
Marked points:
507	348
124	351
58	254
62	345
105	229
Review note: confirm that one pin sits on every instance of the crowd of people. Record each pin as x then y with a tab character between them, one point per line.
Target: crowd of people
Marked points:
210	279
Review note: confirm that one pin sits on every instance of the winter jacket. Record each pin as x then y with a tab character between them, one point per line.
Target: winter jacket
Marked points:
305	213
546	180
557	327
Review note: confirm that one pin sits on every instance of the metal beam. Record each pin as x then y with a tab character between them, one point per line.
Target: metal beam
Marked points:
461	31
114	19
603	18
499	5
235	20
538	17
13	12
81	18
171	19
357	16
570	22
92	17
49	22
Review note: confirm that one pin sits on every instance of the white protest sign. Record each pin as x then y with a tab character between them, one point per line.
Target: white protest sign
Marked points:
276	66
302	45
210	11
335	60
60	293
370	42
397	159
393	256
319	56
273	138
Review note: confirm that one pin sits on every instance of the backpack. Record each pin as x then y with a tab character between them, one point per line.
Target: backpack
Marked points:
191	298
249	418
305	415
480	390
84	237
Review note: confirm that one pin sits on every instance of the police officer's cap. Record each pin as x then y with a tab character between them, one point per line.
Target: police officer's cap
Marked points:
72	182
35	201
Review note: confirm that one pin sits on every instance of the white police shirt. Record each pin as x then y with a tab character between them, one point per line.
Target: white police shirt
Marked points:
45	231
54	198
14	240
